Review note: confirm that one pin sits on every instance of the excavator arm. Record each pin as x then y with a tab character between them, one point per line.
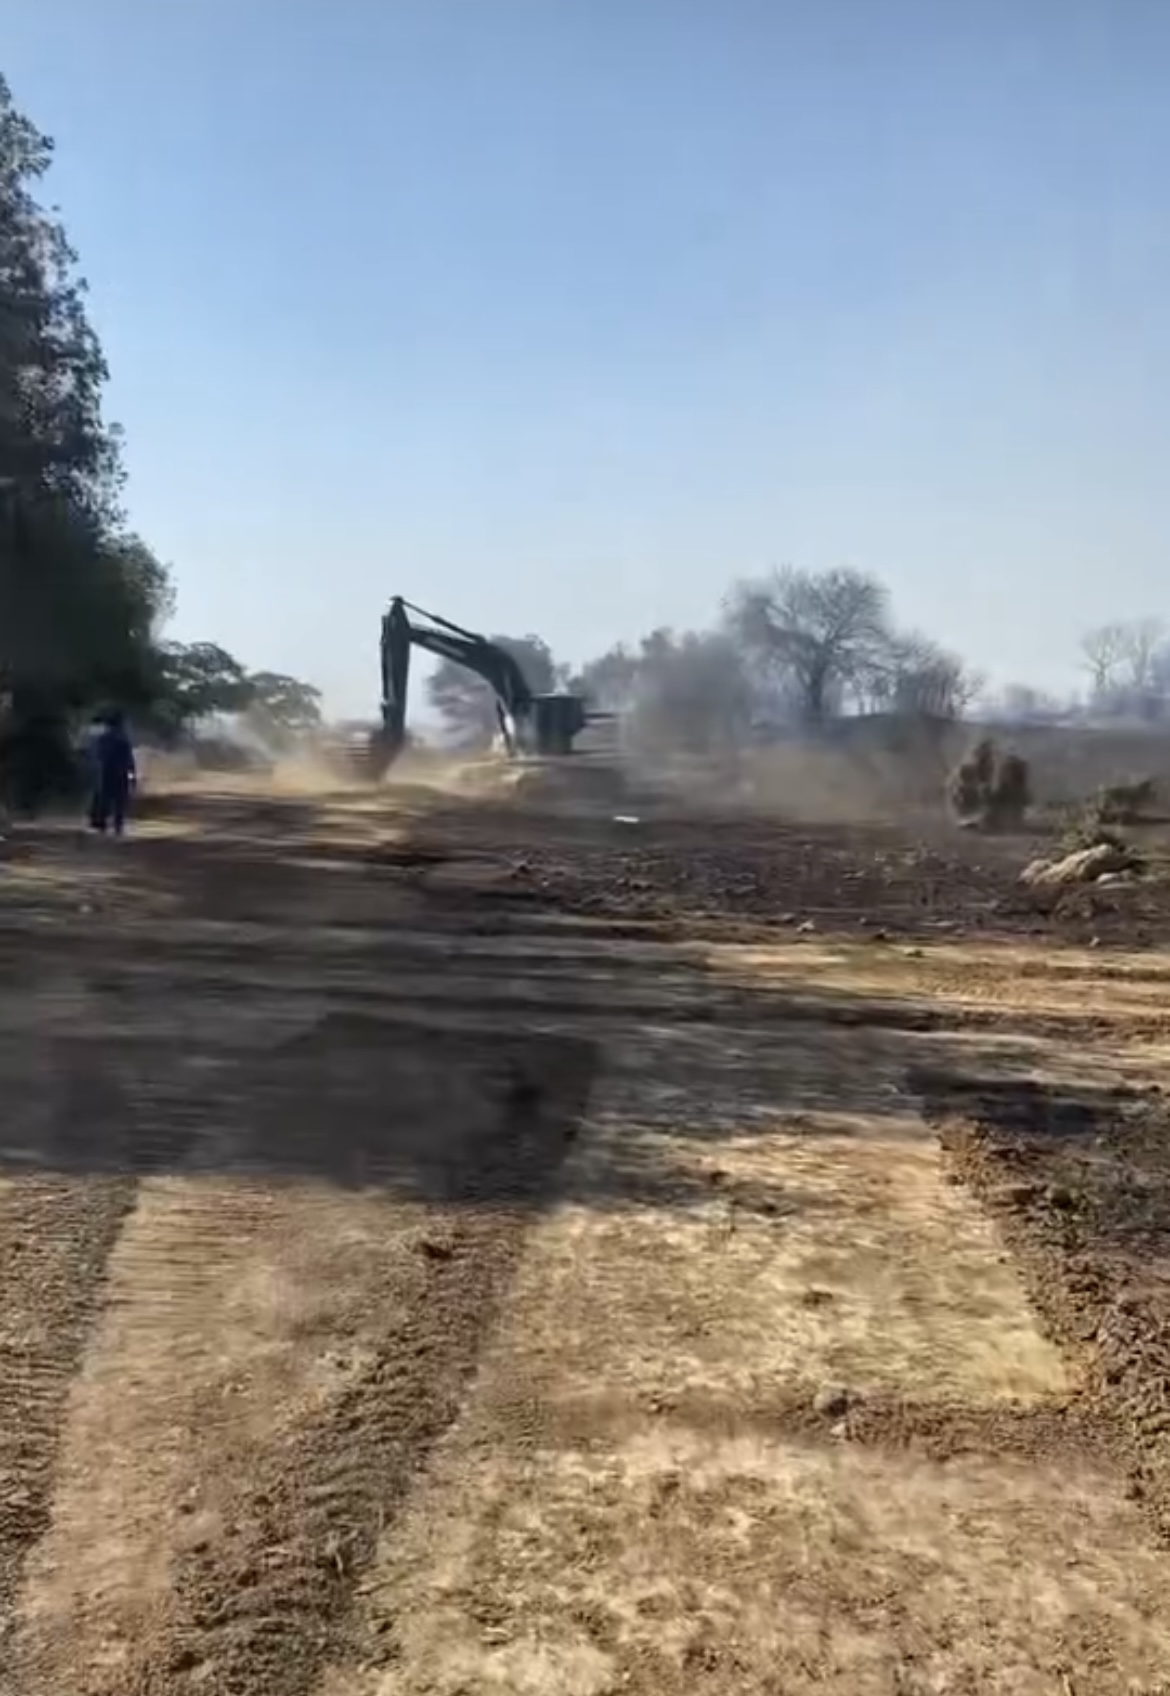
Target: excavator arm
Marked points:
544	723
499	670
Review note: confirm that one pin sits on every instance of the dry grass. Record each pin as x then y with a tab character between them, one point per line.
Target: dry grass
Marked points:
675	1562
805	1259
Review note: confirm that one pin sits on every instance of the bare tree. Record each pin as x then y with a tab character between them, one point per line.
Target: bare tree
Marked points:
1128	666
824	632
1141	642
917	677
1160	671
1104	652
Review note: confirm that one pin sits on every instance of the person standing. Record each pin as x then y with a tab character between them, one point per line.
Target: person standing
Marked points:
114	775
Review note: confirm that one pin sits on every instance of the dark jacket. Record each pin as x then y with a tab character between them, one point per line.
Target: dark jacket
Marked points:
113	757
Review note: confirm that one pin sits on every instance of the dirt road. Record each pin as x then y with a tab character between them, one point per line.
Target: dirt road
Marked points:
466	1251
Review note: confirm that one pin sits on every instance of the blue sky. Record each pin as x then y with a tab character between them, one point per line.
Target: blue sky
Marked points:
557	315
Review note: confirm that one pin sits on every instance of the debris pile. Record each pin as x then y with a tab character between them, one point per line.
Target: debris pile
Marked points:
1111	862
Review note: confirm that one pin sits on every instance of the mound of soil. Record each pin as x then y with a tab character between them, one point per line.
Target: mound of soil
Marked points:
1085	865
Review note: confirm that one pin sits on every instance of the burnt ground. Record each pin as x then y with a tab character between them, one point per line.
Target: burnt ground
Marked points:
454	1248
738	869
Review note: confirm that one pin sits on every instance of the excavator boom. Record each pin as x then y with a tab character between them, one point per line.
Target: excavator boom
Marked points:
539	724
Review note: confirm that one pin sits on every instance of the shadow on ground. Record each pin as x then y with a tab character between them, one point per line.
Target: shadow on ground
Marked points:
356	1102
194	1045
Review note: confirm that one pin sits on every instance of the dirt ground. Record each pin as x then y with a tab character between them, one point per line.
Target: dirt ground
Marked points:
476	1247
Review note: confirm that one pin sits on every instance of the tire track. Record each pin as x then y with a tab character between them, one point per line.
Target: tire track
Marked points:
80	1129
262	1610
56	1234
291	1324
267	1607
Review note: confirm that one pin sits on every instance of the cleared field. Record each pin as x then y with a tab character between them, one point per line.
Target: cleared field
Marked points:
419	1275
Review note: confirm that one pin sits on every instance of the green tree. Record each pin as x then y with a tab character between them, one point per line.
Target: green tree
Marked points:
80	596
282	709
53	440
195	680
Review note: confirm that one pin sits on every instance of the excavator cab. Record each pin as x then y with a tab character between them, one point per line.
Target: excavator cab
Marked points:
555	720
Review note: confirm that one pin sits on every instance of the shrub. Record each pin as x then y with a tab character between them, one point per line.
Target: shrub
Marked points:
1124	803
990	790
1010	794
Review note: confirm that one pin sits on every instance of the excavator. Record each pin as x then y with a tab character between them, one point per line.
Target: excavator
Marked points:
530	723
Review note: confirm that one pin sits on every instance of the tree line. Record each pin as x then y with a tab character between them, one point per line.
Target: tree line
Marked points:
796	650
792	648
84	600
